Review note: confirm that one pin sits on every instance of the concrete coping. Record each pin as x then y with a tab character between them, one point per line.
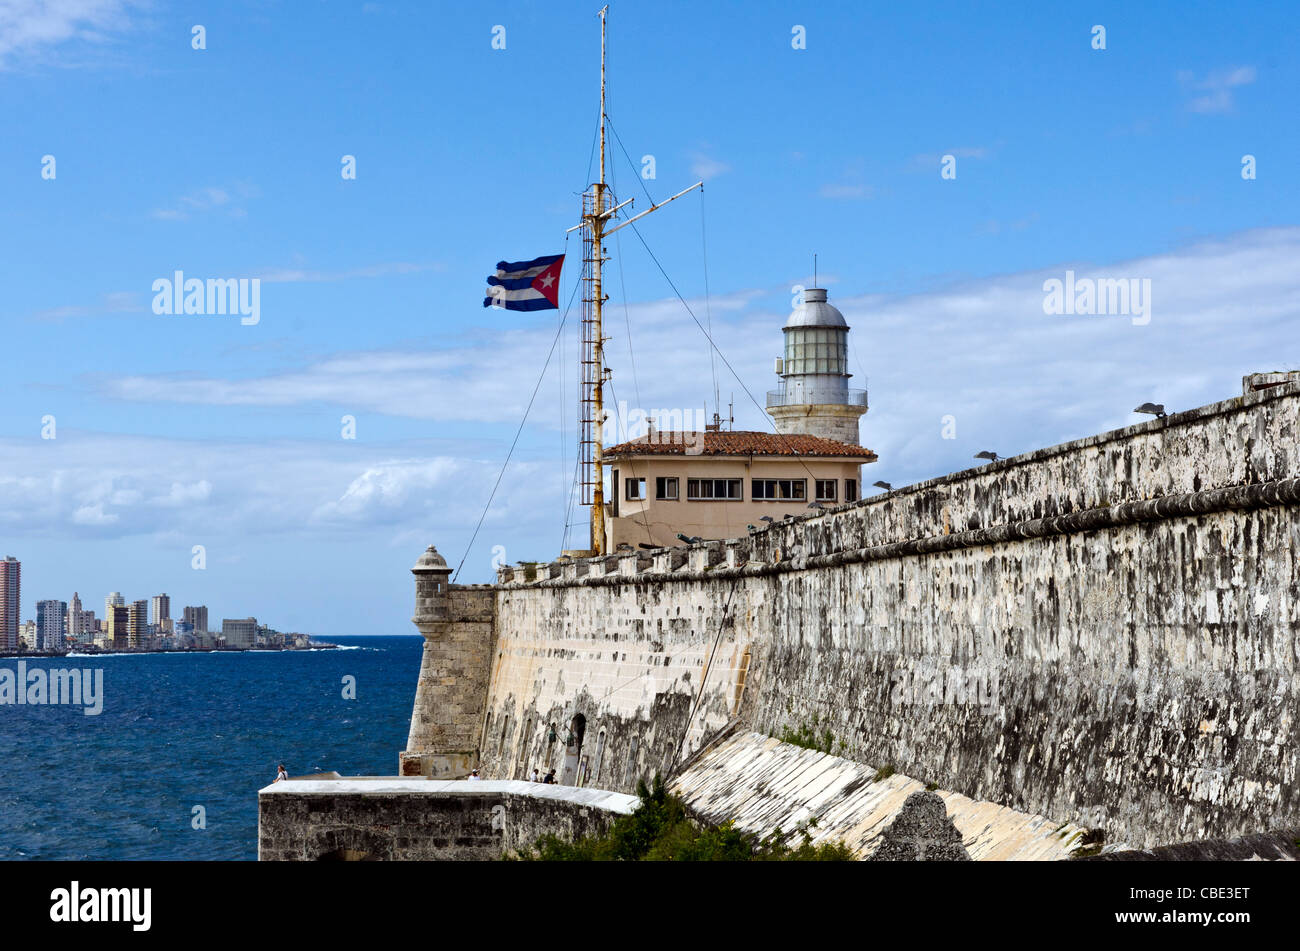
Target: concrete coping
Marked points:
452	788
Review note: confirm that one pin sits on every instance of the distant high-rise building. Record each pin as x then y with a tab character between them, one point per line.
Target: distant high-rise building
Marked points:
239	632
161	609
10	571
81	623
196	617
89	625
75	621
117	627
137	636
51	625
114	600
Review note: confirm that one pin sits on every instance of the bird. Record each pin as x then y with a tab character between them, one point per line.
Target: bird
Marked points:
751	528
990	456
648	546
766	518
690	539
1155	409
624	546
816	505
788	515
884	485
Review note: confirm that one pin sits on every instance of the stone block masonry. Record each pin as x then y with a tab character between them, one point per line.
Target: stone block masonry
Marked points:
1119	614
375	819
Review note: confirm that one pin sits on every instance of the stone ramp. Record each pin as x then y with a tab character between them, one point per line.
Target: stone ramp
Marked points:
761	784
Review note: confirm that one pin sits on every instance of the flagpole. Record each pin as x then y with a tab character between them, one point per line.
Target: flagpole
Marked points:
598	355
592	361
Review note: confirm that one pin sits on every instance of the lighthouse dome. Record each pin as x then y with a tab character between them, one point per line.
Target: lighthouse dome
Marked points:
816	312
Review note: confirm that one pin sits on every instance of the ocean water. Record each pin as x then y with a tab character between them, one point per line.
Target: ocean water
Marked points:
184	730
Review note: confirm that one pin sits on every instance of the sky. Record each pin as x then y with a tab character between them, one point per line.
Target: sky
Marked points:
128	437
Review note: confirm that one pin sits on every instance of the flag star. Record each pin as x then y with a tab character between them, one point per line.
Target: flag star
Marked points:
548	280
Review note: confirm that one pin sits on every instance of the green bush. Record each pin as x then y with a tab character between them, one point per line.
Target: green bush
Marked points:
809	738
659	830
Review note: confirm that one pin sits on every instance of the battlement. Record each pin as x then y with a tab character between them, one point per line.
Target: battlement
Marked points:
1177	459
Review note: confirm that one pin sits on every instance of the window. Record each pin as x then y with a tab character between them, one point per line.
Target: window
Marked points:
635	489
816	350
773	489
613	490
827	490
666	488
704	490
850	490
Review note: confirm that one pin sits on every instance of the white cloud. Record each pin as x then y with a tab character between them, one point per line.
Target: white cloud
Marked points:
842	192
209	199
117	302
705	166
982	350
94	485
1214	94
31	29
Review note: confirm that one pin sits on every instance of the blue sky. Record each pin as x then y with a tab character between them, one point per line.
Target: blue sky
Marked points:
225	162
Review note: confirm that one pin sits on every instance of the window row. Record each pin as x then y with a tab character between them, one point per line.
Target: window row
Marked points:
668	489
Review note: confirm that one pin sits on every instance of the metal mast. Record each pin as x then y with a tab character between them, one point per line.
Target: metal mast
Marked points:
595	214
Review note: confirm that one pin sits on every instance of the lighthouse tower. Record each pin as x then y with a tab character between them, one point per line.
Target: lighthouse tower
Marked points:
815	398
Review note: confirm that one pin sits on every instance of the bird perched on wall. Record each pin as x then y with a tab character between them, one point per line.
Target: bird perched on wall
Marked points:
648	546
624	546
883	485
766	518
751	528
690	539
990	456
1155	409
816	505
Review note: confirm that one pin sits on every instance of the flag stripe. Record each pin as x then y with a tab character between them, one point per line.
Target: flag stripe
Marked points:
539	263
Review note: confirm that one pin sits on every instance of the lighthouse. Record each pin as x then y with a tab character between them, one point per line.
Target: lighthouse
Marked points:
815	398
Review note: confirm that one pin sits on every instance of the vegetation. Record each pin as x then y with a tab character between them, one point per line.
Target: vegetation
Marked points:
810	739
884	772
659	830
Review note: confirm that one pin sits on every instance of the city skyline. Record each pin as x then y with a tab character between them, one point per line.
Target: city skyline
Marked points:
311	456
136	625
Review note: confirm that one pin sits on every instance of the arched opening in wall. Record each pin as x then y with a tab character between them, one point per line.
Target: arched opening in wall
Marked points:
599	758
486	738
630	775
505	725
573	751
669	749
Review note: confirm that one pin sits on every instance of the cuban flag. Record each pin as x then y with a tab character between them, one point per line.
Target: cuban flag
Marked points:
526	285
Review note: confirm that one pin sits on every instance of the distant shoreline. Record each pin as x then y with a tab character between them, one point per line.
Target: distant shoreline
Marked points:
86	650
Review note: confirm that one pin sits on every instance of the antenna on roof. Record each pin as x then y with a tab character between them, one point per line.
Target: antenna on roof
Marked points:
814	269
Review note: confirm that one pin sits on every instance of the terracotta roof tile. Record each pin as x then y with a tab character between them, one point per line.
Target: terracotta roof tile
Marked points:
738	443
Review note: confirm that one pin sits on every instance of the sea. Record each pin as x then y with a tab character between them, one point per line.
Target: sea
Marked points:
171	766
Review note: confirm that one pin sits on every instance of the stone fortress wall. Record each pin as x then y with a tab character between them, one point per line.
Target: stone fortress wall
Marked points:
1103	632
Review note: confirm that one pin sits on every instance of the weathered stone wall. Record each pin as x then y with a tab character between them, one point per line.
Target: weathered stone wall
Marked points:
451	694
1103	632
416	820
